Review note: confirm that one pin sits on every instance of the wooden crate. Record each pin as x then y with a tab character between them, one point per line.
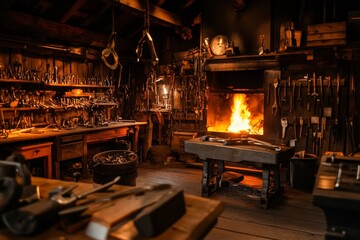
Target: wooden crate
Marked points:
326	34
178	138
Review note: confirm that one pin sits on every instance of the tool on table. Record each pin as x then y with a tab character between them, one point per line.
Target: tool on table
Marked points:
107	220
149	222
275	106
251	141
82	206
339	174
77	218
244	140
284	124
37	216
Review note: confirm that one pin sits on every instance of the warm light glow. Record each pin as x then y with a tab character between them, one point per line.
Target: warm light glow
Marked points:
164	89
236	113
240	118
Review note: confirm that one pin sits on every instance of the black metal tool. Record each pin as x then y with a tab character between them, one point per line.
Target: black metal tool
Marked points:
37	216
146	37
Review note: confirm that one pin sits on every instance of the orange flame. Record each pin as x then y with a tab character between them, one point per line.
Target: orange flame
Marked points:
240	118
244	115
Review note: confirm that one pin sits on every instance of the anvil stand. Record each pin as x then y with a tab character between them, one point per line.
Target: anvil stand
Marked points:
214	155
213	171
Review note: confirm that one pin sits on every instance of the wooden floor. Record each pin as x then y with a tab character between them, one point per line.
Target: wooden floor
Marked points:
291	217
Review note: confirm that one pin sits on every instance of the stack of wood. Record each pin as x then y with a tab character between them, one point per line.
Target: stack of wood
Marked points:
326	34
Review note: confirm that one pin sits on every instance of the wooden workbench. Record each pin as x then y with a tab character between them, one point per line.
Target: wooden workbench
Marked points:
201	215
68	143
213	155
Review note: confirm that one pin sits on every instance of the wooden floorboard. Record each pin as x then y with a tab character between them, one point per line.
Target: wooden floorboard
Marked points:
293	217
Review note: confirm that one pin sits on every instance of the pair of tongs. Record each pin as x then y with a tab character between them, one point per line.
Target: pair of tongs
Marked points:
146	37
110	51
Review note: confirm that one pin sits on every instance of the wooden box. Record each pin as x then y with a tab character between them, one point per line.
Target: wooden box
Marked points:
326	34
178	138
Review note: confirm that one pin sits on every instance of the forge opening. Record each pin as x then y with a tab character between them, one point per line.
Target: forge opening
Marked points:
236	113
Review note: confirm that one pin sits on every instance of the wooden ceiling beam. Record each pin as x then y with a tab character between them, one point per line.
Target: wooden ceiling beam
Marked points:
96	15
187	5
159	14
41	28
72	11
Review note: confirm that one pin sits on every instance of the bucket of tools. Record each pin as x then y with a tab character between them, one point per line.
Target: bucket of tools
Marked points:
110	164
303	170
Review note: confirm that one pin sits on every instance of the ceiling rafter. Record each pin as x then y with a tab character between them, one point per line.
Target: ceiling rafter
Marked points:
159	14
72	11
94	16
35	25
187	5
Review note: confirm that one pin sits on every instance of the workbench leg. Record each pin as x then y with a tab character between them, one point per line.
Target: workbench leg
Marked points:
265	187
211	176
271	186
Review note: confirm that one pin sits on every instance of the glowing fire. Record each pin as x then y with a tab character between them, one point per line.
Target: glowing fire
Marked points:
240	117
244	114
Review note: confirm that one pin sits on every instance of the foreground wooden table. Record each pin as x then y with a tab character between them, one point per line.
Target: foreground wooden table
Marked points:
213	155
201	215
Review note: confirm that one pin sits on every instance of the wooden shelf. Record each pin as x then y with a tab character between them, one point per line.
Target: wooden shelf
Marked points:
78	85
53	85
18	81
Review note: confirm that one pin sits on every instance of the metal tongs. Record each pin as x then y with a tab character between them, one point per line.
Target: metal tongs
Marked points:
146	37
110	48
244	140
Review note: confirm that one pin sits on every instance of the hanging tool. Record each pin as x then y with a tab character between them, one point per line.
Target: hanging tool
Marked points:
146	37
314	93
321	81
292	95
110	49
294	127
301	123
335	128
284	124
284	96
275	106
299	98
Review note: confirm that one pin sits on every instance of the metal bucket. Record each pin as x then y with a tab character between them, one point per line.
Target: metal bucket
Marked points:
110	164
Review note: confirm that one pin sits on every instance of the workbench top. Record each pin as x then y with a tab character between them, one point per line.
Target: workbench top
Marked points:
43	133
201	214
237	153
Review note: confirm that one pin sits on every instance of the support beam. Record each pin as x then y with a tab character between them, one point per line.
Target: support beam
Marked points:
72	11
159	15
42	28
